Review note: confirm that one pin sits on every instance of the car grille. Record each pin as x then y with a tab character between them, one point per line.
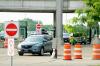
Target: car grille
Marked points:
26	46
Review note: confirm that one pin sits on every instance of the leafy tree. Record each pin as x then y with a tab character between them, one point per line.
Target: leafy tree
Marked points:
76	29
89	15
1	27
69	28
31	24
48	27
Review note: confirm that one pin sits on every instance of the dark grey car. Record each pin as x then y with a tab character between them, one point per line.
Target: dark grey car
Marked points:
36	44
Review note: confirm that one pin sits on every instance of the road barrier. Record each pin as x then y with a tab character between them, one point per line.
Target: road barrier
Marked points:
78	51
54	54
96	51
67	51
96	48
6	43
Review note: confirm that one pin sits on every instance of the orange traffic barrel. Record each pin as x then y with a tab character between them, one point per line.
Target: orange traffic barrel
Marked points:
6	43
78	51
96	51
67	51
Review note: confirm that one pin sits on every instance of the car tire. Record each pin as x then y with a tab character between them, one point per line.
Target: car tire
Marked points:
20	53
51	52
41	52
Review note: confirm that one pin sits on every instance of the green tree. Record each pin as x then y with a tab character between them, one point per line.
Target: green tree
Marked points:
48	27
89	15
31	24
76	29
1	27
69	28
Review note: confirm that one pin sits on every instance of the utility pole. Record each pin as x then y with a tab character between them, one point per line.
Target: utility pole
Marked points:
58	29
59	25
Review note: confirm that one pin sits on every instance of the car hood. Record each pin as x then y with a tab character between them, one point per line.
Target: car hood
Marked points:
28	43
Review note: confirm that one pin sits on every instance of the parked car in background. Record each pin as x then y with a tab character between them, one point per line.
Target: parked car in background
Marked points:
36	44
80	38
66	37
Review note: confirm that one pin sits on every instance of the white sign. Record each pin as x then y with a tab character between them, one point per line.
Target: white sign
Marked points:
11	29
38	28
38	31
11	47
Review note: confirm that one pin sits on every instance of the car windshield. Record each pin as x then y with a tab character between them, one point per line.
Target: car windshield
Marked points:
34	39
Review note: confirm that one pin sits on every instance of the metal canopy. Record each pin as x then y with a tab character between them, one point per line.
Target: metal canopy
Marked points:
38	5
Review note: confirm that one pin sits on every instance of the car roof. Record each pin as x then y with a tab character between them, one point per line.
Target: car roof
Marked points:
41	35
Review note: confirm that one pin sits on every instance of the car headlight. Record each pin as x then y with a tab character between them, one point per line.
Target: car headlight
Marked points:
19	46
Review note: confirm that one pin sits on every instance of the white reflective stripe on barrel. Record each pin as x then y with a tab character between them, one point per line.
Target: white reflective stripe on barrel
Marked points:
77	53
96	49
77	49
67	54
96	53
67	49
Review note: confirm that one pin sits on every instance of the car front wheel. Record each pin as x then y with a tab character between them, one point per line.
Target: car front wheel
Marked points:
20	53
51	53
41	52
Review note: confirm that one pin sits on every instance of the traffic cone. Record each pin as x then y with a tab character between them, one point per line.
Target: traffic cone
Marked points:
78	51
67	51
96	51
6	43
96	48
54	54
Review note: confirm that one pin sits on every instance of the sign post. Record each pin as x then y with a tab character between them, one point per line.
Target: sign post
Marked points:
11	49
38	28
11	31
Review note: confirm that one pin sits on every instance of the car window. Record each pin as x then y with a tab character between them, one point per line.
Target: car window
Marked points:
48	38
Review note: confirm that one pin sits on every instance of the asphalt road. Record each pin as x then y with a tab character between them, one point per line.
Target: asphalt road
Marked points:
46	60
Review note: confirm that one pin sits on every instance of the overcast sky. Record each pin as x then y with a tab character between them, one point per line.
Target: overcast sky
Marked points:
46	18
